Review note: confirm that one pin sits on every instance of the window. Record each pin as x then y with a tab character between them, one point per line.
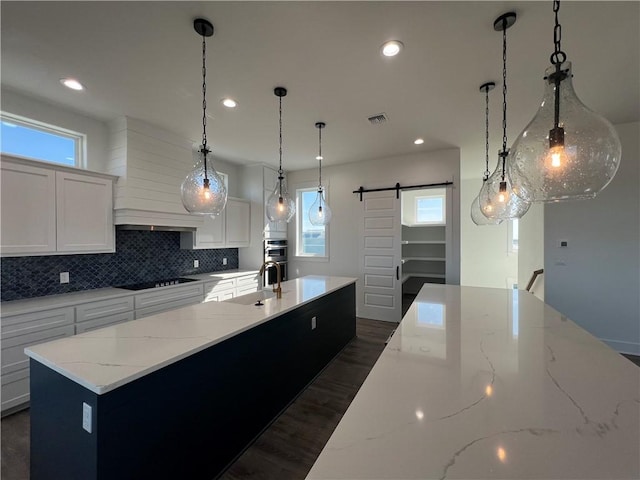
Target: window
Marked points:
26	138
430	210
311	240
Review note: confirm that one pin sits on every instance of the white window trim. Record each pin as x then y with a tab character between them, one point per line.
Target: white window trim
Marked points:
443	196
510	248
298	225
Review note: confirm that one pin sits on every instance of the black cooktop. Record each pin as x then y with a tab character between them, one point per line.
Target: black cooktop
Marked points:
157	284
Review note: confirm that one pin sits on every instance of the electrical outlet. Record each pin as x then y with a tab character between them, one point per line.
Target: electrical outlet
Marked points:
563	243
64	277
313	323
86	417
224	261
196	263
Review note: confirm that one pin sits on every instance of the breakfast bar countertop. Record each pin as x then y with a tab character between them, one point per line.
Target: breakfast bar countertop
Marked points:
481	383
102	360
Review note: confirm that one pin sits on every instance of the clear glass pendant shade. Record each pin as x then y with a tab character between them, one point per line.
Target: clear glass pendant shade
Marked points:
581	165
200	195
319	212
478	217
280	206
498	199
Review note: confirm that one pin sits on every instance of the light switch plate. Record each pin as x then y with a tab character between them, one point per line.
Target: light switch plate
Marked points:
314	323
224	261
64	277
196	263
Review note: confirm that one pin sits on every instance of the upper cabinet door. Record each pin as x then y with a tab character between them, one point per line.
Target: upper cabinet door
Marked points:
238	222
28	209
84	206
211	234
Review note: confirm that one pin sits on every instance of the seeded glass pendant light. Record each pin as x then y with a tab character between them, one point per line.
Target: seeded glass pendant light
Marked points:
203	191
567	151
476	213
496	198
280	206
319	212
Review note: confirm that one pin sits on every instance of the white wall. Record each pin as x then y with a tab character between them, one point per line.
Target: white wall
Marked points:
97	132
485	258
432	167
595	280
531	249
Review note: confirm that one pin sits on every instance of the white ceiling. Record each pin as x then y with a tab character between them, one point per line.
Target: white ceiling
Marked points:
143	59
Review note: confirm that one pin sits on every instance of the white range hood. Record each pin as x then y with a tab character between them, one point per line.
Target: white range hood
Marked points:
151	164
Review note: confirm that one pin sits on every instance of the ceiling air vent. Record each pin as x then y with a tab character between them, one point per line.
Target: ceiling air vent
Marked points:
378	119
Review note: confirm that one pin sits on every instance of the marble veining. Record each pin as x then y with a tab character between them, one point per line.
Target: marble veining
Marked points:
483	383
104	359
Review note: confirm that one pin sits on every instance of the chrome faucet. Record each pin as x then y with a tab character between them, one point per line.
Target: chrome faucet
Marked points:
278	289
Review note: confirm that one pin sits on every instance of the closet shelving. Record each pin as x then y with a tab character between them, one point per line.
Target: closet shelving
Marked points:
423	253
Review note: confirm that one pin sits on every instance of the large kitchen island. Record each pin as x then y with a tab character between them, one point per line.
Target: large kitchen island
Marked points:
480	383
180	394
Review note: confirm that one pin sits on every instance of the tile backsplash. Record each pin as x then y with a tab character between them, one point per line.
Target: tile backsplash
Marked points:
140	257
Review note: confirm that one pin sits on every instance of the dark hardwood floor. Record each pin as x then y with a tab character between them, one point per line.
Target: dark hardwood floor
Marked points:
290	445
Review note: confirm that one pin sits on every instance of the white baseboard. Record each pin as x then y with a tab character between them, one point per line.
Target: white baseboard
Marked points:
623	347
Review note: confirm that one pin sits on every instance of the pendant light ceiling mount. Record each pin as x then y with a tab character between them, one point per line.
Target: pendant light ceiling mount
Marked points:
203	27
280	92
504	21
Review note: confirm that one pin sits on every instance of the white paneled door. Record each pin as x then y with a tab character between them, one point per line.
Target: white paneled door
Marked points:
380	296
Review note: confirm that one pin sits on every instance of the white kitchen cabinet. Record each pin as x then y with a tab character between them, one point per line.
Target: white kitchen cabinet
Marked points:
163	299
230	229
94	315
84	213
238	223
218	291
50	209
28	209
19	332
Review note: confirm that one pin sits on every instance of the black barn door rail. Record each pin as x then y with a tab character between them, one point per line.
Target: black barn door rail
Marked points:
398	187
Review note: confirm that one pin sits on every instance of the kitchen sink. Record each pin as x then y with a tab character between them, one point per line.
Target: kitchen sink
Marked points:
253	297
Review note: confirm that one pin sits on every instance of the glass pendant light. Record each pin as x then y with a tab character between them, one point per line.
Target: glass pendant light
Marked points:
203	191
496	198
476	212
320	212
567	151
280	206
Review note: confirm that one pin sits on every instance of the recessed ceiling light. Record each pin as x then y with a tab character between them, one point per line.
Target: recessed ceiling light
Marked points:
391	48
418	141
229	102
72	83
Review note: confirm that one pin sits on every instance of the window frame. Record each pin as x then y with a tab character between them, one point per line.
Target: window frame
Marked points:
79	139
511	229
442	196
299	189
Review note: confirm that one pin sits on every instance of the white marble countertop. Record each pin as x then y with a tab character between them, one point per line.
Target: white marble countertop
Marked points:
481	383
27	305
102	360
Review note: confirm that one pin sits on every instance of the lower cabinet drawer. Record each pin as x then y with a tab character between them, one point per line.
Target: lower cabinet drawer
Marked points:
247	289
13	356
172	296
15	388
28	323
164	307
89	325
220	296
248	280
103	308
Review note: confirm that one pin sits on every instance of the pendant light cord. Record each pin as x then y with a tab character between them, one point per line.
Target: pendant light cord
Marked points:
280	172
485	177
557	58
319	159
204	150
504	151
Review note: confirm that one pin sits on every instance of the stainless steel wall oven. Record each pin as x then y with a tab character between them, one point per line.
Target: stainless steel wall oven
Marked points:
275	250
